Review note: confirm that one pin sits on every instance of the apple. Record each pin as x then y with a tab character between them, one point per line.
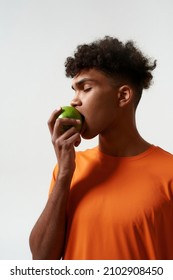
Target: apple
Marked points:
71	113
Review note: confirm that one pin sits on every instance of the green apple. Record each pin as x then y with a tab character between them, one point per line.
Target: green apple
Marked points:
71	113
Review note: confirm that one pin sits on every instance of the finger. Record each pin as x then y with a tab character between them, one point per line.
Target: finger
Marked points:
52	119
73	140
78	141
60	123
71	135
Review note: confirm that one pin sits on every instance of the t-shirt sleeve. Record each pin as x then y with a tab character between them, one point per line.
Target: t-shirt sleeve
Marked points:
54	176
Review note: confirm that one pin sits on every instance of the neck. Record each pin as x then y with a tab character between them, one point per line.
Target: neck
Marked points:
122	141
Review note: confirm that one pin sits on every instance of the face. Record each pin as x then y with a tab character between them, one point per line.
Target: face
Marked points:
96	99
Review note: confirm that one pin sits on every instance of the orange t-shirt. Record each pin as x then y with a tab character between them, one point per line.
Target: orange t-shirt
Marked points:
120	207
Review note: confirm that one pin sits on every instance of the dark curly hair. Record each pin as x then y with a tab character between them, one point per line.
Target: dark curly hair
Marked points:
115	59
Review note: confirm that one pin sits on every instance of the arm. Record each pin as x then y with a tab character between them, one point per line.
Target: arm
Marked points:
47	238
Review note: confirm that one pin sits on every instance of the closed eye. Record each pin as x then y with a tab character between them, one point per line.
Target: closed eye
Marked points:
87	89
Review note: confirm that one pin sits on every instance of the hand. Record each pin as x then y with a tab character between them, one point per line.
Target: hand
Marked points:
64	142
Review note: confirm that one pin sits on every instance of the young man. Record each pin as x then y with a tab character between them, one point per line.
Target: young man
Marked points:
114	201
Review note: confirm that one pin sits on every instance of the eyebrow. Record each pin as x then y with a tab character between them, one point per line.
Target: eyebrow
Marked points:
82	81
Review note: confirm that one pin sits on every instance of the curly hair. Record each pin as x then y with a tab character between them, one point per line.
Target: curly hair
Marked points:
114	58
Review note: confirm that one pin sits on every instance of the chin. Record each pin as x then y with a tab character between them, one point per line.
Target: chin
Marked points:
88	135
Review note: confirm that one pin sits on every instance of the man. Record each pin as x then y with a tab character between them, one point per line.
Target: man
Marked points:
114	201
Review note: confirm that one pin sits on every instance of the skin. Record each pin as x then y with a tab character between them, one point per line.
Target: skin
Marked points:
109	111
114	121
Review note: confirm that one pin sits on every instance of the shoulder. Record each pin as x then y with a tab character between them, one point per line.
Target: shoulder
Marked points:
85	161
87	154
162	160
162	164
164	155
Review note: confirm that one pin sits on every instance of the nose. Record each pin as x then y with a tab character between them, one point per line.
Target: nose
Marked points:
76	101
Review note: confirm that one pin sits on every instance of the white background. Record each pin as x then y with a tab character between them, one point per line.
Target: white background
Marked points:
36	36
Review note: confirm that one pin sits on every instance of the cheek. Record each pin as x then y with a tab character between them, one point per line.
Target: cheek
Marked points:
106	111
100	120
99	113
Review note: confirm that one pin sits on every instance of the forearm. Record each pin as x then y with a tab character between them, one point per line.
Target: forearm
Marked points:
47	238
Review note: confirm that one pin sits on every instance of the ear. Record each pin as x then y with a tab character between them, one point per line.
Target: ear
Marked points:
125	94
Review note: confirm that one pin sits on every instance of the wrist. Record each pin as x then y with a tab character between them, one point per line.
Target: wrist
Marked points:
65	176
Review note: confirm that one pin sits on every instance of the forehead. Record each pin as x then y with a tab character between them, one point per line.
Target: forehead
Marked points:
86	76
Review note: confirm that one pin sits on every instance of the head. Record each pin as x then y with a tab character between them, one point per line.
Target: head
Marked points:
123	63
